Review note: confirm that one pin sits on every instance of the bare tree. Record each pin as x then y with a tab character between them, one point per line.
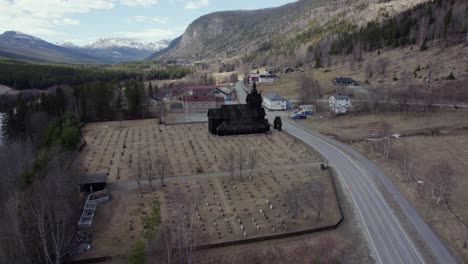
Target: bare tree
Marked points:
383	140
137	176
149	172
252	160
162	112
162	167
301	54
382	65
357	51
184	216
240	160
310	90
316	197
161	246
230	161
15	160
440	179
36	124
407	164
55	201
13	246
423	29
293	202
368	71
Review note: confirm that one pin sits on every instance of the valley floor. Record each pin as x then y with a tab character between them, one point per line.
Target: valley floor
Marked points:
198	176
426	139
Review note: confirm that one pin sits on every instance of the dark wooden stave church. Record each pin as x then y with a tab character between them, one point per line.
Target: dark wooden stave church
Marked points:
239	119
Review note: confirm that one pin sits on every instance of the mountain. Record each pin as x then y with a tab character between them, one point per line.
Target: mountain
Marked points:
66	44
109	43
161	52
17	45
277	31
113	50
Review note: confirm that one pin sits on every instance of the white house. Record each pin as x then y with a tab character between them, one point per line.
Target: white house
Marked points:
273	101
267	78
339	104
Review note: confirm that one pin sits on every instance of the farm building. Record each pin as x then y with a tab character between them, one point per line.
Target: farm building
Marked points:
201	103
262	78
339	104
179	93
274	101
253	78
344	81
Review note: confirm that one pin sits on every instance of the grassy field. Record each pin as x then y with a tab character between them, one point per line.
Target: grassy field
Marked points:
421	152
287	86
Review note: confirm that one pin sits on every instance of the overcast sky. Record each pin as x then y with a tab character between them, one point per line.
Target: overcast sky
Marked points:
84	21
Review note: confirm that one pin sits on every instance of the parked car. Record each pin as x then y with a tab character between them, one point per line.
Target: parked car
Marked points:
299	116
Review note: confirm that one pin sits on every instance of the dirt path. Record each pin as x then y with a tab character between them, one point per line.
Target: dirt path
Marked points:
132	185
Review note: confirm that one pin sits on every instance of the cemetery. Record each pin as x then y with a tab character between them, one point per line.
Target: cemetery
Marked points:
123	150
217	189
222	209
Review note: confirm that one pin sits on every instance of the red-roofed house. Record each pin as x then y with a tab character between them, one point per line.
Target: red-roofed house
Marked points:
200	90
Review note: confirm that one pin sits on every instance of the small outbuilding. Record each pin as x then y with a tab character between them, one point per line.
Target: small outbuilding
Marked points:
93	182
344	81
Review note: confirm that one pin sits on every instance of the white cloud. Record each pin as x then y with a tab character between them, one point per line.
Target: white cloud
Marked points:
43	16
144	3
196	4
66	21
147	19
151	33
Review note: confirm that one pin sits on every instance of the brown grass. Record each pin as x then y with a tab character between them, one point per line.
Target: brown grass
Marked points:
402	62
423	151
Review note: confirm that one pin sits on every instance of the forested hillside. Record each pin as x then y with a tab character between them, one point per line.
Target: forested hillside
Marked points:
435	21
286	31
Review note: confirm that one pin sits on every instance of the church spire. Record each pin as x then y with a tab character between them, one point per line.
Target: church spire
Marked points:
254	88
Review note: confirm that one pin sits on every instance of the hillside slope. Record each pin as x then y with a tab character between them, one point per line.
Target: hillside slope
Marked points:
17	45
280	30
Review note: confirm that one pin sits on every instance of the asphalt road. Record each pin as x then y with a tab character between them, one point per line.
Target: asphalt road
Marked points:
388	240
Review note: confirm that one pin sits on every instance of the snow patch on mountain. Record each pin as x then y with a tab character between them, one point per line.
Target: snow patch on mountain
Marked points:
109	43
66	44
